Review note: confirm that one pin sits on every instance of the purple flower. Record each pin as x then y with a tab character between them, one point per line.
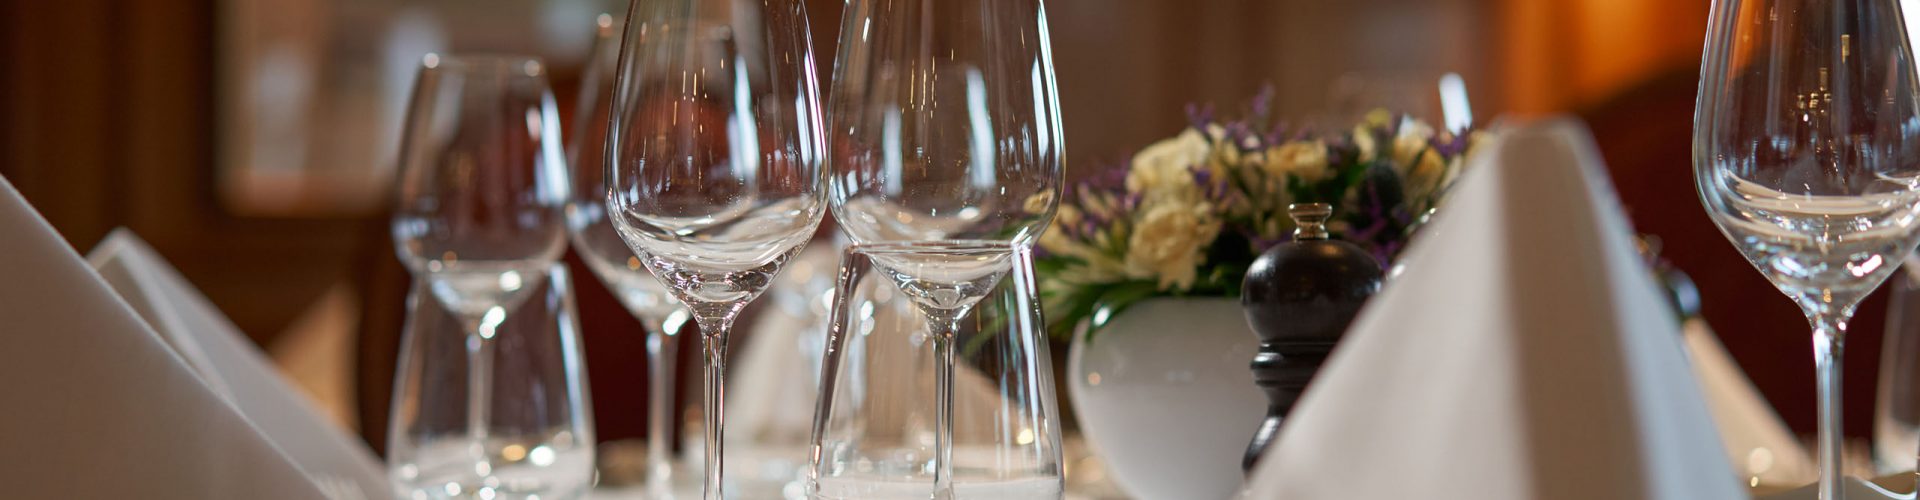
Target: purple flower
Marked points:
1199	116
1452	146
1263	102
1215	190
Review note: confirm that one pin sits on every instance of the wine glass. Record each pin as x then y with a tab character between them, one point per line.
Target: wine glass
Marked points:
481	193
1806	154
946	151
715	151
599	244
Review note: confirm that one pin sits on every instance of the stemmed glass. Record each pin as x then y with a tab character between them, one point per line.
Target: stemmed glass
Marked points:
946	155
1806	152
481	190
595	239
715	150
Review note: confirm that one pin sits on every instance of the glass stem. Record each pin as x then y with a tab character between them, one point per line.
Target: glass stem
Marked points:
663	351
943	329
480	388
713	337
1829	337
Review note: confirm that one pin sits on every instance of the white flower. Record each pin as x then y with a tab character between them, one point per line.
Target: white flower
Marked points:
1420	167
1377	118
1039	202
1363	141
1165	166
1096	267
1055	238
1413	138
1304	159
1169	243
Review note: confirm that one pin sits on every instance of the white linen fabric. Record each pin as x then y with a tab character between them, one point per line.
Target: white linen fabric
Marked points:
1524	353
237	370
1759	445
96	405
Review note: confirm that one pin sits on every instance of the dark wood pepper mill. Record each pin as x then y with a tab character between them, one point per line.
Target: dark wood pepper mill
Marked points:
1299	297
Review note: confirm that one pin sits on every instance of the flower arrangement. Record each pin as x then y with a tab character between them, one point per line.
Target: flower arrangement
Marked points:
1188	215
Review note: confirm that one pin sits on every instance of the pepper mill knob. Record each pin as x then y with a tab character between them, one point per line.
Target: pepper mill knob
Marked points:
1310	220
1299	298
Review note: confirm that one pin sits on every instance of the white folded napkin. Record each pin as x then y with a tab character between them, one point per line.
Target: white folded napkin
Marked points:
1762	450
94	405
1524	353
778	368
235	368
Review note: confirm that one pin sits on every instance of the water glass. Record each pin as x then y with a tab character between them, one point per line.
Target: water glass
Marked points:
878	425
537	441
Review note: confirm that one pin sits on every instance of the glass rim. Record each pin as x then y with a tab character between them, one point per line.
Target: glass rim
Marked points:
900	246
512	65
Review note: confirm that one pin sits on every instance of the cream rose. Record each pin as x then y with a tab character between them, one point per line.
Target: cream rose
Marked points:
1304	159
1164	167
1426	174
1169	243
1413	138
1419	166
1363	140
1038	203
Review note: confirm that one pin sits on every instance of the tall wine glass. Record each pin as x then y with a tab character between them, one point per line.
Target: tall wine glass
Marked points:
481	190
946	154
1806	153
715	151
599	244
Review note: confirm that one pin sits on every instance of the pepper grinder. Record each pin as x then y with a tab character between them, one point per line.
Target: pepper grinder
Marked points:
1299	298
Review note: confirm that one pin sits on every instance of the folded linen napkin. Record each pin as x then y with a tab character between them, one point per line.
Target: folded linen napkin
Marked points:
96	405
230	363
1524	353
1760	447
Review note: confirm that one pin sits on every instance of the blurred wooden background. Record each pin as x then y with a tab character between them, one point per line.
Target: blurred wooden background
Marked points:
111	119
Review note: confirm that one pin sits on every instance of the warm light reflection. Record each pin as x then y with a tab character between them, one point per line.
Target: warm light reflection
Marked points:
513	453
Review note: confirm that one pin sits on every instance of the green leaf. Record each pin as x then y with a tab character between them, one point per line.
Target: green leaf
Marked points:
1051	265
1222	279
1068	310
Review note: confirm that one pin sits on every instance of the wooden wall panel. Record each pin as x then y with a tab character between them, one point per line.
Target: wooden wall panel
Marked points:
110	123
59	73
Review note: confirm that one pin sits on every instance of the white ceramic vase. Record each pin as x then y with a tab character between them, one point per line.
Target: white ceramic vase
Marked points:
1165	397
